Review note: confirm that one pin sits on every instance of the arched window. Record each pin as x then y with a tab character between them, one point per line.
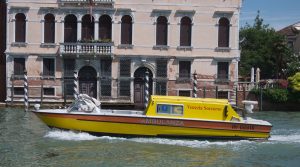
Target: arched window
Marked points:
105	27
87	27
126	30
162	31
20	28
185	31
223	37
70	28
49	28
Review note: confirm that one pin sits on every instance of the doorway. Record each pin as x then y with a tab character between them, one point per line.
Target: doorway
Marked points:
88	81
139	86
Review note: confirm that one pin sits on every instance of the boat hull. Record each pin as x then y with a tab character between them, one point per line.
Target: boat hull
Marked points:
153	126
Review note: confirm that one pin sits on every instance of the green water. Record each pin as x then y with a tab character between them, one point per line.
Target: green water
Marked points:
26	141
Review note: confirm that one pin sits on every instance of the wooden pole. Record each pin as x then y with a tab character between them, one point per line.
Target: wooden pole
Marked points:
217	92
42	90
146	88
26	91
195	85
12	88
75	85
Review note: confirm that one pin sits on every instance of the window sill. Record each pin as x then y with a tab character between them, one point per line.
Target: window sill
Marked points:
17	77
183	80
222	49
48	45
125	46
161	47
48	96
222	81
19	44
185	48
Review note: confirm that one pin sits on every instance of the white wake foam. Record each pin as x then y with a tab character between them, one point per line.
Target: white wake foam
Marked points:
192	143
69	135
292	138
81	136
76	136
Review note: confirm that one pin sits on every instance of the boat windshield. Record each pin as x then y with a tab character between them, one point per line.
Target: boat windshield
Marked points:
83	104
76	105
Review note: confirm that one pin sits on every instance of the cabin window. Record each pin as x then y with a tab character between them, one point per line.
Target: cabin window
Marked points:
169	109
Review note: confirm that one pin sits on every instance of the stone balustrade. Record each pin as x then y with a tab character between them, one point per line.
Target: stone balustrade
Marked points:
86	48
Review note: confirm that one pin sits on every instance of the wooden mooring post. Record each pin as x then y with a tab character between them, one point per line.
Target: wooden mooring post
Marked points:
26	91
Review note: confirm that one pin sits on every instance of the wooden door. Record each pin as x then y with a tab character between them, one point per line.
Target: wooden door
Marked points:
139	86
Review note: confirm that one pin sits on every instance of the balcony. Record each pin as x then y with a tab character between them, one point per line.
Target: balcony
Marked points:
87	48
86	1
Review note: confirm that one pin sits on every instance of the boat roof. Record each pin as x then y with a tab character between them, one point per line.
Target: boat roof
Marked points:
187	99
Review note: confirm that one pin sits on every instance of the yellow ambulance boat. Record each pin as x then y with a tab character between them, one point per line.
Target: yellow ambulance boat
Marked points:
165	116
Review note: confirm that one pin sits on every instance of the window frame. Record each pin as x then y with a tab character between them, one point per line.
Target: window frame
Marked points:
227	71
189	91
105	24
68	25
224	33
54	91
185	32
189	71
49	27
162	29
124	24
49	74
18	89
21	72
87	27
20	28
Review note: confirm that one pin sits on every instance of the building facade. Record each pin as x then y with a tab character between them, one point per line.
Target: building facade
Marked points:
2	51
291	33
110	44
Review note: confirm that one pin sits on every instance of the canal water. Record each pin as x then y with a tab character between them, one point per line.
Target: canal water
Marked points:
25	141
